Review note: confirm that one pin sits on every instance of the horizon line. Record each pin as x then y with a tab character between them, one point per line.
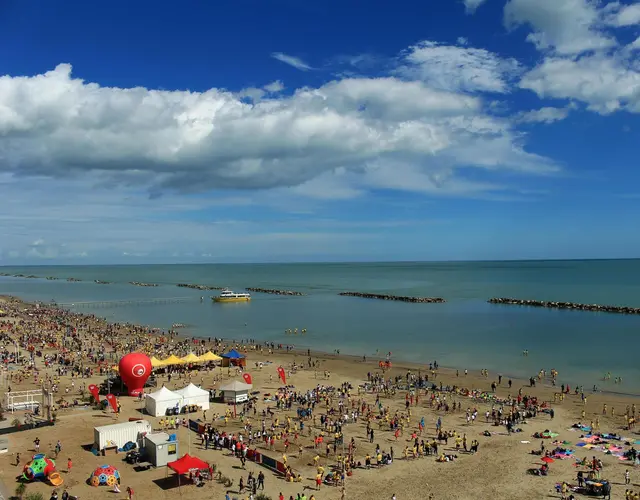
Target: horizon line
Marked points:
456	261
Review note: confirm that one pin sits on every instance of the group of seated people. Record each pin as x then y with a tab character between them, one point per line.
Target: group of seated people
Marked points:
291	477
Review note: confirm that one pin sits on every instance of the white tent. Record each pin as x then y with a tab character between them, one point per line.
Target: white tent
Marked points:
193	395
235	392
157	402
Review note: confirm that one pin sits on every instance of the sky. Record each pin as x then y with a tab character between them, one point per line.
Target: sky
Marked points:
255	131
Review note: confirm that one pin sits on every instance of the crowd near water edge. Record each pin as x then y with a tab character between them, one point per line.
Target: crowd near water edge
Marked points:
463	331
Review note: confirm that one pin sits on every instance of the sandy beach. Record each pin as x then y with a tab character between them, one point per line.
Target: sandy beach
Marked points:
499	469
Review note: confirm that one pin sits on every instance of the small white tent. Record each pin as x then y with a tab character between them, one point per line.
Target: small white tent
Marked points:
157	402
193	395
235	392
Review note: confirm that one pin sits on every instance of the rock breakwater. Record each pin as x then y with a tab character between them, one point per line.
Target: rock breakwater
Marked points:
273	291
199	287
138	283
573	306
399	298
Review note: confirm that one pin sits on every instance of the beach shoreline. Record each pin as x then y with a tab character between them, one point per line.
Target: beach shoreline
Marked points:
300	349
297	353
492	335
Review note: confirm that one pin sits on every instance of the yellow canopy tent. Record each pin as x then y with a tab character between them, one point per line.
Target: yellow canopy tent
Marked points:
172	360
156	363
209	356
191	358
115	368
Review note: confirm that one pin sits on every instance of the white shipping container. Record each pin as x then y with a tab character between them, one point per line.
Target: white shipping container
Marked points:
121	434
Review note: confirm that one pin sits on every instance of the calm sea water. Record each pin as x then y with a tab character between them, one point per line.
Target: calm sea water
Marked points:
465	332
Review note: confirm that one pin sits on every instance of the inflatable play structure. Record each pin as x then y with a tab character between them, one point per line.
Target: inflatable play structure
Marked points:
41	467
105	475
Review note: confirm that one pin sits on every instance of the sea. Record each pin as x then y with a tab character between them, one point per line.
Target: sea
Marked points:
466	332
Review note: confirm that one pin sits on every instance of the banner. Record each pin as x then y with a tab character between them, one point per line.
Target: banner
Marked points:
247	378
95	392
282	375
113	402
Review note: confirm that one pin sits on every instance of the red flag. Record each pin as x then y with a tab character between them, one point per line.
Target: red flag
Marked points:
95	392
282	375
113	402
247	378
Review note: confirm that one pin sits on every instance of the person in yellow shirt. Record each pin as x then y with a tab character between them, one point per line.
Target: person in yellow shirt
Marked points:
316	459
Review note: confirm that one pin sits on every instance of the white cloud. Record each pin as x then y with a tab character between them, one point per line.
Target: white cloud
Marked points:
564	26
624	15
583	60
457	69
543	115
274	87
606	83
296	62
635	45
54	125
472	5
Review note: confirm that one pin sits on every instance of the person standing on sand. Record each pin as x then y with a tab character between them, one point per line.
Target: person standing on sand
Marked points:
564	490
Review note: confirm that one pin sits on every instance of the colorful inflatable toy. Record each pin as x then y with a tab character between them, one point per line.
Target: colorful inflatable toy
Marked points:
105	475
41	467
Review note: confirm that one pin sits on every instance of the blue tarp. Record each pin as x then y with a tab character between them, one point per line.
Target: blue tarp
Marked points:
233	354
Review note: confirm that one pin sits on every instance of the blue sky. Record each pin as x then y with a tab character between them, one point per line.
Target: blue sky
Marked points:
258	131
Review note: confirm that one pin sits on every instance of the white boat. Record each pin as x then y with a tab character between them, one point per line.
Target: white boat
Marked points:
227	295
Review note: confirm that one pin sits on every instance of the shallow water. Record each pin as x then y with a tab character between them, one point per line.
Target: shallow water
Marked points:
465	332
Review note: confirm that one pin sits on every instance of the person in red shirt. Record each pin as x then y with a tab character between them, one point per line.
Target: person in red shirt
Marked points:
69	464
281	496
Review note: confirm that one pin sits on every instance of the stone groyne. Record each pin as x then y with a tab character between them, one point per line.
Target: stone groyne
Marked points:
573	306
138	283
100	282
273	291
400	298
199	287
73	279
